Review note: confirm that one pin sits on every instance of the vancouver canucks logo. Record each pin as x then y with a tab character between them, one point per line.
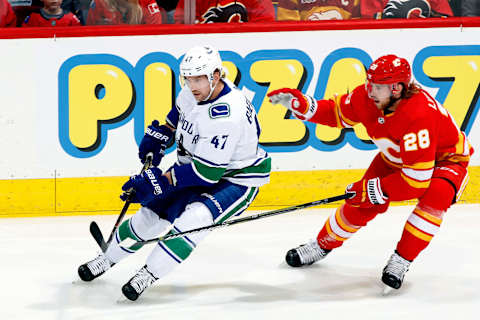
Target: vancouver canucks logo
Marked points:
232	12
220	110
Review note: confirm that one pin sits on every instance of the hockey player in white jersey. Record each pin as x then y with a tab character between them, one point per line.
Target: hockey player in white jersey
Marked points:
219	170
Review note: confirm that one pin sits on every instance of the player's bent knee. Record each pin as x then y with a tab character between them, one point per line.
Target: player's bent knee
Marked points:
196	215
439	195
146	224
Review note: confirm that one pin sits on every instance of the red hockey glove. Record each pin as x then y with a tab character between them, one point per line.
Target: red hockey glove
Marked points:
368	193
302	106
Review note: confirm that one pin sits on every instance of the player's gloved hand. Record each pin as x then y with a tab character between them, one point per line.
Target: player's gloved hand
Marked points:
407	9
302	106
146	186
155	140
366	193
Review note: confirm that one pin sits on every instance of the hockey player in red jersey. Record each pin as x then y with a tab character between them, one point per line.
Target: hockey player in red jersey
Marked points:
213	11
385	9
423	155
7	16
112	12
51	15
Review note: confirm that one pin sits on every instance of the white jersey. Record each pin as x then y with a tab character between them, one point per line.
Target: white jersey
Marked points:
220	138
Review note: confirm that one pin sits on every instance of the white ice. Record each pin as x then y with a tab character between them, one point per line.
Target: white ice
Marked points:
239	272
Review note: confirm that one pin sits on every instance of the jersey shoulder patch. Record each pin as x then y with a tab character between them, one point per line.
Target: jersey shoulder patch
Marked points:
220	110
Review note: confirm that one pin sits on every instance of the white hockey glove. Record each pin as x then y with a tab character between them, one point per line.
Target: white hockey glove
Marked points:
367	193
302	106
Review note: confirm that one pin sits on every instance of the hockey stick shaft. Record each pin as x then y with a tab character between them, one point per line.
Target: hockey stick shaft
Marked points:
95	230
146	165
250	218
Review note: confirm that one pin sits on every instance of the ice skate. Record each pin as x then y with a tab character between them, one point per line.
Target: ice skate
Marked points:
135	286
394	272
94	268
305	254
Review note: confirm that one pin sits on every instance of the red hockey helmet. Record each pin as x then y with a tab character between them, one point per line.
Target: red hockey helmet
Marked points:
390	69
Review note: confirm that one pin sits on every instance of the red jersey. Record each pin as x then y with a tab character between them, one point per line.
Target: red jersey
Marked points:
318	9
7	16
374	8
43	19
101	13
412	139
210	11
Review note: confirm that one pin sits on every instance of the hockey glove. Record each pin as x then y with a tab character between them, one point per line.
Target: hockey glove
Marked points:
366	193
302	106
155	140
147	186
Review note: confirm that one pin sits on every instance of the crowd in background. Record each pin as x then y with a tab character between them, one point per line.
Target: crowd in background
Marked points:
37	13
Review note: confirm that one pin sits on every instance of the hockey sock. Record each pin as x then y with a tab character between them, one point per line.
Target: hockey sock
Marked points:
419	230
115	251
169	254
336	230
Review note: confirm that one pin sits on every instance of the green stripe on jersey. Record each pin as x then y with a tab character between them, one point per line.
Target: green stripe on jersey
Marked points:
125	232
179	247
242	205
207	172
263	167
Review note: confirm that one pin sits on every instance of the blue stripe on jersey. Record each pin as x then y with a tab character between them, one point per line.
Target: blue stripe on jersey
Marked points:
247	177
222	165
133	230
259	160
118	242
185	237
168	252
172	116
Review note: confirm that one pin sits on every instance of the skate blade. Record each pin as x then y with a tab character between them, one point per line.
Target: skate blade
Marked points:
387	290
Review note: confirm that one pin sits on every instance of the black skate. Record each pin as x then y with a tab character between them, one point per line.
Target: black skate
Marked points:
95	268
394	271
306	254
135	286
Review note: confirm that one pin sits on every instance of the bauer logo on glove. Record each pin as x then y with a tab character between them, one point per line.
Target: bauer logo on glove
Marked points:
147	186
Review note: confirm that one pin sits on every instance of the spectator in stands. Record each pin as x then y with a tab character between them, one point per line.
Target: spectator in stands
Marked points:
372	9
211	11
51	15
114	12
470	8
24	8
75	6
417	9
314	10
7	16
381	9
456	6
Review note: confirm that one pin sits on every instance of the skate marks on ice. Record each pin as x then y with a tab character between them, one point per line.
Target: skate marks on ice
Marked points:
240	270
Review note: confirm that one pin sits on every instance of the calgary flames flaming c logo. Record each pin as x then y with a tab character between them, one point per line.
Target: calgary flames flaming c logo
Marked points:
232	12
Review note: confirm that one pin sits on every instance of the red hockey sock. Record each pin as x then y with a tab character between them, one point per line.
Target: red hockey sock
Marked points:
419	230
343	224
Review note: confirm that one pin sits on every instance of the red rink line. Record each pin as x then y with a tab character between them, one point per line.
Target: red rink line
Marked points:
141	30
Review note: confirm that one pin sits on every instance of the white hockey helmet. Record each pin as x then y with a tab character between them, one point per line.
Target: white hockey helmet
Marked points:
199	61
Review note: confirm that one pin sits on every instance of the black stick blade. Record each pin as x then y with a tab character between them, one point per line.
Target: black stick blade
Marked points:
97	235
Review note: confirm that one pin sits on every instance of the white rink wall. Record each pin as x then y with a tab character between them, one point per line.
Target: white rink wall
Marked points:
39	139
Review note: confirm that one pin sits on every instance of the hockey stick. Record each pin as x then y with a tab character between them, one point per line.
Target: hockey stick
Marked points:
249	218
95	230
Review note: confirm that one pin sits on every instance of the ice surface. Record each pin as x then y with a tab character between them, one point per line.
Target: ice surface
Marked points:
239	272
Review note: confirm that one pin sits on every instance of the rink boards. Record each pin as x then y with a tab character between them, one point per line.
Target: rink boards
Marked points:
75	103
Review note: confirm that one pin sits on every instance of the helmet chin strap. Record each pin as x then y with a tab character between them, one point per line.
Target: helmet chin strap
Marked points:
212	88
